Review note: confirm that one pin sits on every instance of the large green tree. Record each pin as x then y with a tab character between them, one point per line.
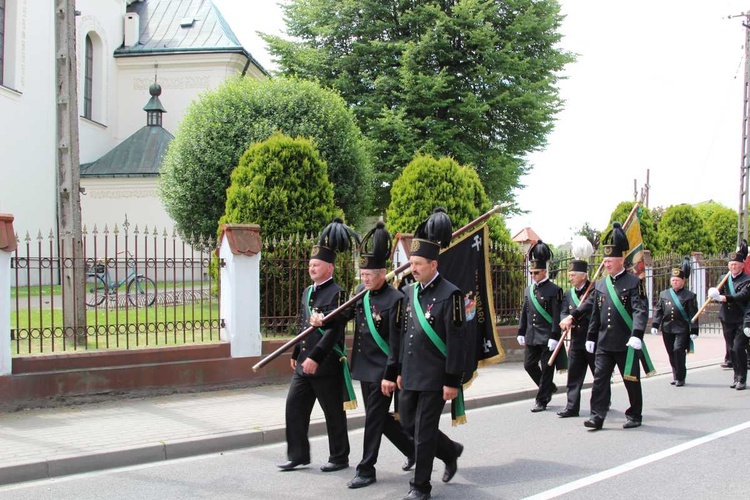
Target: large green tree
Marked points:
472	79
282	184
219	127
648	228
427	183
722	227
682	230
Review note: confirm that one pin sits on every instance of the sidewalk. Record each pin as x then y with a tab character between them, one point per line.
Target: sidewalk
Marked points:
50	442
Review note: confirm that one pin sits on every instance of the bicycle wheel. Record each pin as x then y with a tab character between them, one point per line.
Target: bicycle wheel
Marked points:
142	291
96	290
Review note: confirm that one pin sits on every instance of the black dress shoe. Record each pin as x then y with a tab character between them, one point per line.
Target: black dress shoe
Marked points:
734	385
631	423
594	422
408	464
332	467
566	413
292	464
360	481
726	365
451	466
674	382
741	386
417	495
538	407
679	383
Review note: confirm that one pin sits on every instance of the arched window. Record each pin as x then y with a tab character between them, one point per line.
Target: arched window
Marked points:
88	79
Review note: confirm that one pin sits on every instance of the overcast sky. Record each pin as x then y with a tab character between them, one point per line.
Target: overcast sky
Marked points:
657	86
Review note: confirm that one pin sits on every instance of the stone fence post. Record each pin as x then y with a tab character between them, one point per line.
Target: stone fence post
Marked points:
239	254
7	247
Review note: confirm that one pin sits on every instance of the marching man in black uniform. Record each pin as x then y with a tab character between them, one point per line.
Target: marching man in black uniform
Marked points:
317	360
377	327
734	296
539	328
431	357
618	320
674	312
576	320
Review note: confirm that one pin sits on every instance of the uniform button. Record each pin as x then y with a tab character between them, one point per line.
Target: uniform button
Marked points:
411	336
410	353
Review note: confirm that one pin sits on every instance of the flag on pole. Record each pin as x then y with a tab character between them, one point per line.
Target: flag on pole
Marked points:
634	262
466	264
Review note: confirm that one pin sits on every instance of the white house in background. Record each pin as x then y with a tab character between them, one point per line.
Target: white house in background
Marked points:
123	46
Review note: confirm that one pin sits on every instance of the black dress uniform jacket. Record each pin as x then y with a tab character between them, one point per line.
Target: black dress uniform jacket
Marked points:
670	318
733	310
422	366
368	359
317	346
607	327
533	326
581	315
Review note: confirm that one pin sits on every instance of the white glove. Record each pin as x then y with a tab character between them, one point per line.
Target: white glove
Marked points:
590	345
635	343
521	340
654	331
552	344
714	293
694	336
746	331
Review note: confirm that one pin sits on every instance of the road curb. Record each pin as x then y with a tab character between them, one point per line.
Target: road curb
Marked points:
184	448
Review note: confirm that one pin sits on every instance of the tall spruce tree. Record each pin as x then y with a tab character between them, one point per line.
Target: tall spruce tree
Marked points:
472	79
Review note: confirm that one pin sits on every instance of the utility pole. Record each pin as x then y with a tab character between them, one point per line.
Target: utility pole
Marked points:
70	238
742	220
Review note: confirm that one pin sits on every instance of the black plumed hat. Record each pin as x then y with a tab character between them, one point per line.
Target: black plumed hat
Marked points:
615	241
741	253
683	270
375	248
539	254
432	235
336	237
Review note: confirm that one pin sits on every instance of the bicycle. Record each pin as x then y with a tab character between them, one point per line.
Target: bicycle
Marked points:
140	290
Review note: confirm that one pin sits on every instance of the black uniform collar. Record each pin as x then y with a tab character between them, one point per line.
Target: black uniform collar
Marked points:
618	275
380	290
740	274
546	279
583	287
432	284
325	284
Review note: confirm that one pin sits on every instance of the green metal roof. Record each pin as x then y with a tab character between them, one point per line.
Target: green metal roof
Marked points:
182	26
139	155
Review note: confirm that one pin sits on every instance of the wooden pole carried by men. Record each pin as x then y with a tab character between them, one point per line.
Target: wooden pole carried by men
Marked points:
566	331
389	277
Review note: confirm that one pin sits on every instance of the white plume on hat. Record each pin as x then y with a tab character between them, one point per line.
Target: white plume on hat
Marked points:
581	248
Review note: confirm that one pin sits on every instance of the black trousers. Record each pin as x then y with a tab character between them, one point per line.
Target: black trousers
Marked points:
420	416
378	422
535	362
677	346
579	360
601	393
736	339
303	391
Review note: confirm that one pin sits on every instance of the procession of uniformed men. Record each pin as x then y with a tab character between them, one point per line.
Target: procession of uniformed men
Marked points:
409	347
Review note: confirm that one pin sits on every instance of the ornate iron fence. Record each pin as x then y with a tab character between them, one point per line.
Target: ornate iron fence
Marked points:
143	289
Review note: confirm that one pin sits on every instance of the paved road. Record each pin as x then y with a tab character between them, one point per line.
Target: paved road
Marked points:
693	444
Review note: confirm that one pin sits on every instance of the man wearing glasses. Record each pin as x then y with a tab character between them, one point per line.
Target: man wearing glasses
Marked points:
539	329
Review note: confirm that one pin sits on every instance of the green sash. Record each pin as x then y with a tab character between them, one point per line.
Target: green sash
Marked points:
371	325
351	402
630	372
458	408
730	282
678	305
538	306
574	296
